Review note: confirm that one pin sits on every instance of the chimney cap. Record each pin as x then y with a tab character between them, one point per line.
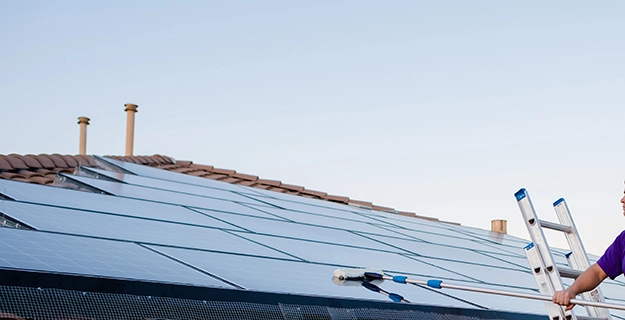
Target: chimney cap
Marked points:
499	225
83	120
131	107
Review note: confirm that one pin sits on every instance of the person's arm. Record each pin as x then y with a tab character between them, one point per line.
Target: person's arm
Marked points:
587	281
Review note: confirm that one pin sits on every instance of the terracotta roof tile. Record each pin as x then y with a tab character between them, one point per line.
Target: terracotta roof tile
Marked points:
381	208
71	162
11	175
184	163
243	176
273	183
45	171
313	193
45	161
292	187
169	166
224	171
29	162
15	162
86	161
202	167
30	174
218	176
4	164
197	173
338	199
407	214
150	160
32	161
41	180
360	203
58	161
160	159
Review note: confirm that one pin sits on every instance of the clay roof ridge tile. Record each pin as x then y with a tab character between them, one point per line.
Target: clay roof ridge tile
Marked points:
16	161
224	171
29	161
273	183
314	193
339	199
203	167
70	160
5	164
58	161
247	177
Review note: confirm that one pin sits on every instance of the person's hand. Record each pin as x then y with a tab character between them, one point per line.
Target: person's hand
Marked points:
563	298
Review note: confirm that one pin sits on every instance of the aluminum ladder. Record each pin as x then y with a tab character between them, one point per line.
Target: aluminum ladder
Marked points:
547	274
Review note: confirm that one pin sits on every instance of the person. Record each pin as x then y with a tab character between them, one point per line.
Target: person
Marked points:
609	265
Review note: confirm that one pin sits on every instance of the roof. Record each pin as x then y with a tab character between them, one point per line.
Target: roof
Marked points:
44	168
146	237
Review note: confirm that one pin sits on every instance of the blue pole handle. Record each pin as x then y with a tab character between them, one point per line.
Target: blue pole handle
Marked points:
435	283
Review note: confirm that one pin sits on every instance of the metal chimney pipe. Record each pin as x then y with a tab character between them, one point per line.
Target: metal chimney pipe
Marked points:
83	122
500	226
131	109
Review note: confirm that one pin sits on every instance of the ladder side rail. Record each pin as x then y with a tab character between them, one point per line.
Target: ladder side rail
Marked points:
578	258
545	286
538	238
572	237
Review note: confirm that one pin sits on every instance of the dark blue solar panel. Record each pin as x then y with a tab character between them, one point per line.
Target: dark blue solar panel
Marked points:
161	174
171	197
39	251
32	193
296	277
132	229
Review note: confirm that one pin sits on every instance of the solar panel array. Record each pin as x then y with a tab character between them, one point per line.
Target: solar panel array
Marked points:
153	225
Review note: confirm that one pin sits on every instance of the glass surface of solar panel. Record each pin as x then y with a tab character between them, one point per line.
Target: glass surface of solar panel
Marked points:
296	230
37	194
162	174
167	185
299	200
355	257
454	239
40	251
322	215
486	274
442	251
172	197
297	277
108	226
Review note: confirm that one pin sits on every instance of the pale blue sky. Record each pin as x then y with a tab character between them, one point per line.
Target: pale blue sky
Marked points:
443	108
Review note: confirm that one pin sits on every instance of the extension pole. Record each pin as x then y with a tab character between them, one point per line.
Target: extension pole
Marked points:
438	284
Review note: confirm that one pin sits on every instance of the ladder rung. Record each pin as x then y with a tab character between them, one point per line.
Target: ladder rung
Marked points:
555	226
569	273
589	318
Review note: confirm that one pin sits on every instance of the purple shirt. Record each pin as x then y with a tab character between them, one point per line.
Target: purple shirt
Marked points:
612	260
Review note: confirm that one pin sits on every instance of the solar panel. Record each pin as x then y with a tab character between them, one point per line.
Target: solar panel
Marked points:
73	199
146	171
40	251
260	240
294	277
78	222
163	196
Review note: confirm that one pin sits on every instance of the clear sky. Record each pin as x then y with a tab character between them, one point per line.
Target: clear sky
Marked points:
443	108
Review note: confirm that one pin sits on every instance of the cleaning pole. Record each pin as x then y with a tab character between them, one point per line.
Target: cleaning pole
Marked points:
438	284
